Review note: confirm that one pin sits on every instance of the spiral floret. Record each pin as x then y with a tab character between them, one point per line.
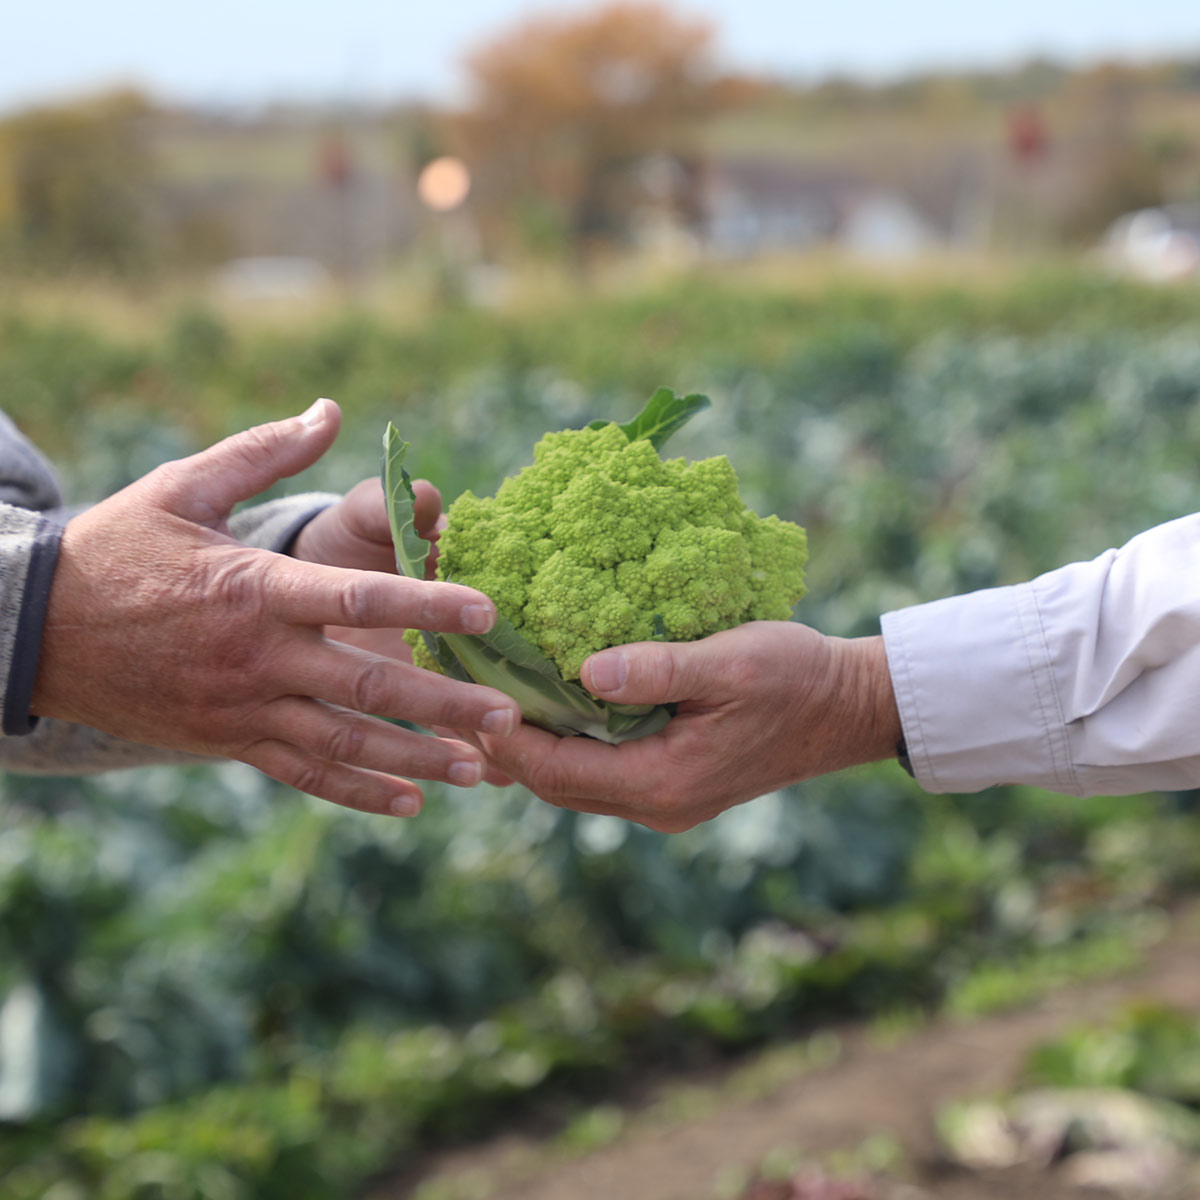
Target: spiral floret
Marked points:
600	542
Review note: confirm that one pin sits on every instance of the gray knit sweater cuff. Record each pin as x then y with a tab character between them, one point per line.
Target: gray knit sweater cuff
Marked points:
28	553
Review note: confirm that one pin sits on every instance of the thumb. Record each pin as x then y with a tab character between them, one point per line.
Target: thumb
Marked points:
650	672
204	487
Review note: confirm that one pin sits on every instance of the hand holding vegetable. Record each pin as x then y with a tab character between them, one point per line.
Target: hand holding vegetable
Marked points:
162	629
598	543
760	706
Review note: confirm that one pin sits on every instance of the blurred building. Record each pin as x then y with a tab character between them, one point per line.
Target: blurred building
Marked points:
734	207
291	184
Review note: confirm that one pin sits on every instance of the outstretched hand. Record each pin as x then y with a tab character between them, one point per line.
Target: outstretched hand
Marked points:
759	706
162	629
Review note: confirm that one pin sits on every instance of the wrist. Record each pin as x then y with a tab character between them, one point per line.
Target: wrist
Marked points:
867	713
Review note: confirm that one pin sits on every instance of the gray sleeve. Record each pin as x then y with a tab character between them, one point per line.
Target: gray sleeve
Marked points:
29	544
26	478
29	540
275	524
28	552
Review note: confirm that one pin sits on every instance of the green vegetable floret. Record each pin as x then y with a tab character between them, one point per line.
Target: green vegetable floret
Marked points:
601	542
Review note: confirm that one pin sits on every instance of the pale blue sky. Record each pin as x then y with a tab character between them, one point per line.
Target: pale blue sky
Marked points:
255	50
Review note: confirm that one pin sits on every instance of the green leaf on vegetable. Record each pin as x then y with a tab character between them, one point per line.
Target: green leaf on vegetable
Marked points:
411	550
665	413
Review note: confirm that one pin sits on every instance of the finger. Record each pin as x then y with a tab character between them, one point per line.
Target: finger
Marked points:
629	790
490	773
497	778
314	594
651	672
556	767
339	735
366	791
366	524
204	487
635	781
388	642
427	508
383	687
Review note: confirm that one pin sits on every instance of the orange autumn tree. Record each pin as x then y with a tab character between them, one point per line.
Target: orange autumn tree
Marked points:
565	107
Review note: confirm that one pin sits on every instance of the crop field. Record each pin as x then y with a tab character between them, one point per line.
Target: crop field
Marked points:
223	990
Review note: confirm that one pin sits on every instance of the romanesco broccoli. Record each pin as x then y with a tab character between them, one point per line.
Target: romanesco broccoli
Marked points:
601	542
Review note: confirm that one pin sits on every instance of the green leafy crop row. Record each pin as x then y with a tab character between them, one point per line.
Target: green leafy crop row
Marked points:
229	991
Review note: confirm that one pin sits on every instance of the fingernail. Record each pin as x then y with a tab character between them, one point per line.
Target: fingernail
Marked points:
466	773
499	721
607	672
477	618
314	415
405	806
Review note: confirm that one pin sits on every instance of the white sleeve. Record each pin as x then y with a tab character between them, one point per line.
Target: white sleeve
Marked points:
1085	680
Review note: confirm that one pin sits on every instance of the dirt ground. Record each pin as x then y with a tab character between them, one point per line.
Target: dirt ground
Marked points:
871	1089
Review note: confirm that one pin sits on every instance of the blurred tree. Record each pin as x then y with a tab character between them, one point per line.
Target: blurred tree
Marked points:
566	106
8	185
1176	151
79	178
1118	171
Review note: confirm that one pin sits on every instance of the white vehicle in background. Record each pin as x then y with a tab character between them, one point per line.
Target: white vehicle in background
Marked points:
1159	245
273	278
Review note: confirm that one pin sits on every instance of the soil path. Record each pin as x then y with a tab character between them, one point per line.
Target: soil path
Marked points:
870	1089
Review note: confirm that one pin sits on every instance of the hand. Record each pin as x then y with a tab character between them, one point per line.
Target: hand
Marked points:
759	706
162	629
355	532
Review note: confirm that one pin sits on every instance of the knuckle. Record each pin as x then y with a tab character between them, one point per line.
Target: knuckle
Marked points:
309	777
344	741
236	582
547	780
356	602
371	689
662	668
431	605
552	778
253	444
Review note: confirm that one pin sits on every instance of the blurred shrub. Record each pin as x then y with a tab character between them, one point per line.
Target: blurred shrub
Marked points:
78	185
1147	1047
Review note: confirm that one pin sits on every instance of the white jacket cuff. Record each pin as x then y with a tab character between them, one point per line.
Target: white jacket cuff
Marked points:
975	687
